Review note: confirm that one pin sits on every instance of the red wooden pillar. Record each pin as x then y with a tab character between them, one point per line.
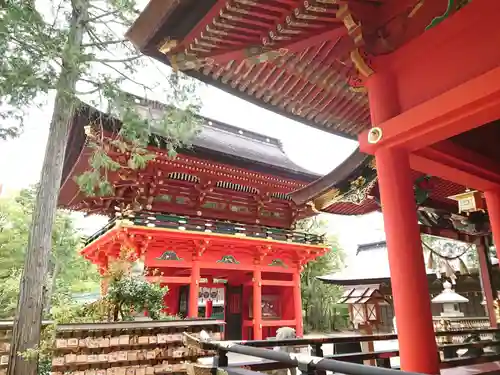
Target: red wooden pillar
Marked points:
297	304
194	289
493	204
208	308
417	343
257	304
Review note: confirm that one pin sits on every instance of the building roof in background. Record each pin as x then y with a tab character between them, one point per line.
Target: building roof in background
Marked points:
371	265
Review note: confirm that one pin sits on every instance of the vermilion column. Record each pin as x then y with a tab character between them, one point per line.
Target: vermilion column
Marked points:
297	304
493	204
417	343
208	308
257	304
194	289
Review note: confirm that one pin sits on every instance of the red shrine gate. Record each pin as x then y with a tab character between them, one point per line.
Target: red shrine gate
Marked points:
220	210
262	275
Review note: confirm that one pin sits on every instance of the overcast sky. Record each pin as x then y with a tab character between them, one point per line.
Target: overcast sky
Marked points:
21	159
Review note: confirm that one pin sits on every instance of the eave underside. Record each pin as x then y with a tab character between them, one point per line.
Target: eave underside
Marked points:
304	60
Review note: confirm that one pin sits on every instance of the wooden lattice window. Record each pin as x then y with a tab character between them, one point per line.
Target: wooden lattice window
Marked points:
371	312
358	312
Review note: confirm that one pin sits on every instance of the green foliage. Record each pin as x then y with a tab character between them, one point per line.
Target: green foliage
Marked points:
77	48
319	300
132	294
68	271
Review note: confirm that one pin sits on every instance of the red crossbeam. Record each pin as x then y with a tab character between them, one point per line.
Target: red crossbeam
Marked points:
291	46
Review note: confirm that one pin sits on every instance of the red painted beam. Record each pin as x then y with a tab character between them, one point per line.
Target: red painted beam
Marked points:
290	46
283	283
169	279
454	163
462	108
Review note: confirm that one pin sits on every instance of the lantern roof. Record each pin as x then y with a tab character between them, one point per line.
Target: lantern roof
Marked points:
303	59
448	295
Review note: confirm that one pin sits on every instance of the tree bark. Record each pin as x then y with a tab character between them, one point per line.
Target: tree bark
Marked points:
32	291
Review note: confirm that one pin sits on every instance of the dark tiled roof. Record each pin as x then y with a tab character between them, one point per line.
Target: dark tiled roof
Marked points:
216	141
239	143
219	138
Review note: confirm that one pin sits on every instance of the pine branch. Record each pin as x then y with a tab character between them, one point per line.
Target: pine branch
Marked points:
126	77
102	44
124	60
103	15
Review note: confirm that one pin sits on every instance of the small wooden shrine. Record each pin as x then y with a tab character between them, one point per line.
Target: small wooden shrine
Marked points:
218	216
368	272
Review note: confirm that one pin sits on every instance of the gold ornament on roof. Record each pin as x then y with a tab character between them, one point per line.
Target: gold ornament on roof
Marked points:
360	63
167	46
358	183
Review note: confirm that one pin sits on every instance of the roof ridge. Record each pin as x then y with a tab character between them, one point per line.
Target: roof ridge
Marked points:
155	104
370	246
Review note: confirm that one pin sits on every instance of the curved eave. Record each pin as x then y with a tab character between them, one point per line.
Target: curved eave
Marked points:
341	281
326	184
172	20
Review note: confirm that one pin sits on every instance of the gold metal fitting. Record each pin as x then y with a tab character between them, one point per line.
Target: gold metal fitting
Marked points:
375	135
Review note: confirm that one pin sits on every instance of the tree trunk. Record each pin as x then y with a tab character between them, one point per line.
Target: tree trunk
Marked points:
53	286
32	291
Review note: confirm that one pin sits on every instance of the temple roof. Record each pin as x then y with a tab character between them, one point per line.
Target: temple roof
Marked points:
371	265
303	59
215	141
244	145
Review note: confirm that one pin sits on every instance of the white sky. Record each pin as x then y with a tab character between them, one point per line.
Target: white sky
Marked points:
21	159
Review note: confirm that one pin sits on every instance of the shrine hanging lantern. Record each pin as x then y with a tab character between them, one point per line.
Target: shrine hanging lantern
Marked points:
470	201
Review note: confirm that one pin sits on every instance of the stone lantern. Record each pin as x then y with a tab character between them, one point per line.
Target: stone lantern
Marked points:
450	300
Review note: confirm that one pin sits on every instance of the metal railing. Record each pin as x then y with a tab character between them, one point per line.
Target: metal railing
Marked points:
156	220
319	363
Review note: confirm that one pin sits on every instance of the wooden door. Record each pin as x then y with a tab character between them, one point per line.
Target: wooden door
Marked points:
234	312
